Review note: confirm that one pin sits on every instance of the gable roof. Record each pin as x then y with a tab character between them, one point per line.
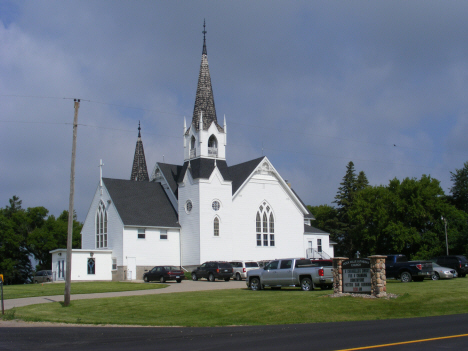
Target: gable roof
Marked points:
171	173
241	172
141	203
309	215
312	230
203	168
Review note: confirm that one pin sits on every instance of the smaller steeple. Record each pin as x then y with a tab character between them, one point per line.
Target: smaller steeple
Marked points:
139	170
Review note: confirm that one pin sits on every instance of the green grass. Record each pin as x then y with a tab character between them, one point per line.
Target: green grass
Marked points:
245	307
49	289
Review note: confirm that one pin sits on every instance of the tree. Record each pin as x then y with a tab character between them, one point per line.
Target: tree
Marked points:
31	232
15	264
405	217
344	199
326	219
459	190
50	236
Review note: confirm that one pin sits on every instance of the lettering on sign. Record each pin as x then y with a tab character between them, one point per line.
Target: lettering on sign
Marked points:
356	276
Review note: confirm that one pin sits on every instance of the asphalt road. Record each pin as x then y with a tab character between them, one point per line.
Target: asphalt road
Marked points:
427	332
324	336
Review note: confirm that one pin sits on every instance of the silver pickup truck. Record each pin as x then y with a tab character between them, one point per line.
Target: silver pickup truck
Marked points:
298	272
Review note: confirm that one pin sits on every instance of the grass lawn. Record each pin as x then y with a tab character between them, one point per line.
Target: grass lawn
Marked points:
49	289
246	307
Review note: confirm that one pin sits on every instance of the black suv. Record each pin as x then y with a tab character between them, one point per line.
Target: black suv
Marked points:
213	270
458	262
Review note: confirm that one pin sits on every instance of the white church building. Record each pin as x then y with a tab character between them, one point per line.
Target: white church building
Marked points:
202	210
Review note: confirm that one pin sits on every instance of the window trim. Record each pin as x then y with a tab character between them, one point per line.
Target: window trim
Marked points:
100	227
91	270
141	233
216	226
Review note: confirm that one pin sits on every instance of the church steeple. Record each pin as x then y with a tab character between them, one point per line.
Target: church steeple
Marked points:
204	100
139	170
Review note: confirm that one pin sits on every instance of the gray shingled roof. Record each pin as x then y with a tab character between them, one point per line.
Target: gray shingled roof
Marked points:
171	173
312	230
204	100
308	215
203	167
139	170
141	203
241	171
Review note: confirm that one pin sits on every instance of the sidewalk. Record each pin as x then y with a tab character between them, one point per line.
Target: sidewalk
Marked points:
185	286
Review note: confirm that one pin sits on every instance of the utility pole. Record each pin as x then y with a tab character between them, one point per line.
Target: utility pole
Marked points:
66	300
446	239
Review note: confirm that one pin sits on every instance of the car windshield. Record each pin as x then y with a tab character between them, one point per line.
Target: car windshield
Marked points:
171	268
225	265
251	264
463	259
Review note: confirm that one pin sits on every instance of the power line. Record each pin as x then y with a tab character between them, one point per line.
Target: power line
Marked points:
297	132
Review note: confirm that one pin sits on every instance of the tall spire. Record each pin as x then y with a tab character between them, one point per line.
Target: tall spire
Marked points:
204	100
139	170
204	39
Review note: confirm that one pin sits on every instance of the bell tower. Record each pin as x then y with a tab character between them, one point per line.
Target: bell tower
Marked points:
204	137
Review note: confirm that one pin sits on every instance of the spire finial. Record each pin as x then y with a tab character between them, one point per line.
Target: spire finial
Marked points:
204	38
139	134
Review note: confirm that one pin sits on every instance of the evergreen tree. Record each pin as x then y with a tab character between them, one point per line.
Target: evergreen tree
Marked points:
361	181
459	190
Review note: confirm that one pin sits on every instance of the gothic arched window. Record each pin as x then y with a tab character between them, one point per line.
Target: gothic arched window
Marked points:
212	146
212	141
101	226
265	226
192	143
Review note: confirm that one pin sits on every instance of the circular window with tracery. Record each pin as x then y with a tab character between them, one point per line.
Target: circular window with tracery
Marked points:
215	205
188	206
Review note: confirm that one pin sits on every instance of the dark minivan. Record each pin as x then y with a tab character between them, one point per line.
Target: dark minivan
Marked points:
457	262
213	270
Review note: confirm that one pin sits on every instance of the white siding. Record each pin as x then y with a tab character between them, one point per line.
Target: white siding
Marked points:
215	248
114	226
103	264
326	247
190	222
151	251
289	220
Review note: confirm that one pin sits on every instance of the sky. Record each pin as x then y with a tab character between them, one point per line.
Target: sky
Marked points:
312	85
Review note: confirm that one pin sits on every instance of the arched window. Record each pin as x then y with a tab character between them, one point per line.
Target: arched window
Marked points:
212	142
216	226
265	226
101	226
192	143
212	146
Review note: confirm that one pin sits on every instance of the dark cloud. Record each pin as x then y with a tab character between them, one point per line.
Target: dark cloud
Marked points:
314	84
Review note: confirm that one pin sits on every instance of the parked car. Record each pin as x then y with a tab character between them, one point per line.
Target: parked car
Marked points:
164	273
263	263
213	270
442	272
240	268
322	263
43	277
398	267
290	272
457	262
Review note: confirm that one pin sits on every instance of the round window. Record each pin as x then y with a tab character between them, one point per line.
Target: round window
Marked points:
215	205
188	206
